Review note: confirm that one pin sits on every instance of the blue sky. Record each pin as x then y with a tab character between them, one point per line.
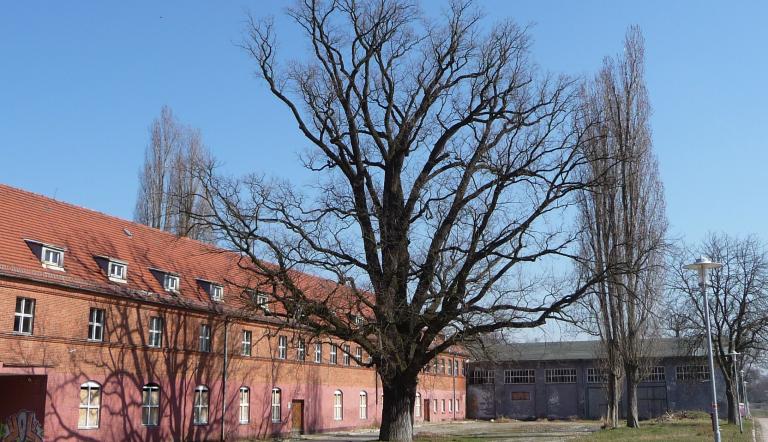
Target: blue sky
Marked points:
81	81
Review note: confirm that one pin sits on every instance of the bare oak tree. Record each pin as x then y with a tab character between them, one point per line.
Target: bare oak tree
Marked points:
624	224
446	167
168	186
738	305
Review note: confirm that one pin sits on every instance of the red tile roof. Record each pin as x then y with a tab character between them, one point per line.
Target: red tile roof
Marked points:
86	235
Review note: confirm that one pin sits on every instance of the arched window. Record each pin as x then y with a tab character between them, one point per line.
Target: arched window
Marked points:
150	404
275	405
417	406
90	403
200	411
338	405
245	405
363	405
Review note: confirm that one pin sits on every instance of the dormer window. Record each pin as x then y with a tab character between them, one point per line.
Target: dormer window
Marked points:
53	257
216	291
50	256
262	301
117	271
171	283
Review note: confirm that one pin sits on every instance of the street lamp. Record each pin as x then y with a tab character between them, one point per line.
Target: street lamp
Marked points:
744	393
733	355
702	265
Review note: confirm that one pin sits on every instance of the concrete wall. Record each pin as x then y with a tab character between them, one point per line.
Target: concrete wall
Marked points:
123	363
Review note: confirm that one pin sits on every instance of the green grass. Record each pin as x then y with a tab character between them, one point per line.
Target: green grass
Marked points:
684	430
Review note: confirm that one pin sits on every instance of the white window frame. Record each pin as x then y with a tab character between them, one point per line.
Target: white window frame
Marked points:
434	405
205	338
450	404
456	367
88	406
262	300
597	375
334	358
96	324
359	355
156	325
693	372
338	405
363	405
244	409
198	406
282	347
656	374
276	405
117	271
147	405
171	283
520	376
442	405
345	354
560	375
417	405
22	317
301	350
318	352
216	292
456	406
246	348
54	264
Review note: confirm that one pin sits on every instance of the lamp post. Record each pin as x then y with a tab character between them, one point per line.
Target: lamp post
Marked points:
733	355
702	265
744	390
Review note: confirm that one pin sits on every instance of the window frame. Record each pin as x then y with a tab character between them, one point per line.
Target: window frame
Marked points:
173	288
282	347
88	406
692	373
96	327
345	355
156	333
318	352
50	264
338	405
301	350
334	357
198	406
359	355
216	291
22	317
519	376
656	374
564	375
363	405
122	277
246	343
244	406
417	405
147	404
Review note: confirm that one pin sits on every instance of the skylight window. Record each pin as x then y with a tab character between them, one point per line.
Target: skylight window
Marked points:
171	283
117	271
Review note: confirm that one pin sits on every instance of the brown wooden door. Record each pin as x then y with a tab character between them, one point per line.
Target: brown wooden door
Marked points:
427	410
297	417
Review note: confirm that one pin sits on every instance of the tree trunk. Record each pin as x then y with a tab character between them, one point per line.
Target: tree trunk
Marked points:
732	406
397	410
633	420
614	396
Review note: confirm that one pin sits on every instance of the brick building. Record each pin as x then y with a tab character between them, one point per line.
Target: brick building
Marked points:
560	380
111	330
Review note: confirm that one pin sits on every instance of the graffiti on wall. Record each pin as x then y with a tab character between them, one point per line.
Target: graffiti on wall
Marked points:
21	427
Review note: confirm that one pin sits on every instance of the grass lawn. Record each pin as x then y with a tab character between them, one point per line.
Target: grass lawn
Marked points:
698	429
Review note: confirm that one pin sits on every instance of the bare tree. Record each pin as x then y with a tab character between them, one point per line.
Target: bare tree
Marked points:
739	306
168	188
624	224
446	167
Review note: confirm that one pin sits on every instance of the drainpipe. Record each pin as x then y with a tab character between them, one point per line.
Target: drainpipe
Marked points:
224	379
453	370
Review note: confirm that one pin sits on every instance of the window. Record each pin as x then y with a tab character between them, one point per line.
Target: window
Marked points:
480	377
417	406
358	320
171	283
345	356
282	347
155	331
359	355
434	366
245	405
520	376
261	301
117	271
96	325
441	368
338	405
434	405
52	258
656	375
318	352
200	411
276	405
363	405
456	407
150	405
216	292
692	373
245	349
301	350
25	316
597	375
449	367
334	359
520	396
455	367
560	375
205	338
464	368
450	405
442	405
90	401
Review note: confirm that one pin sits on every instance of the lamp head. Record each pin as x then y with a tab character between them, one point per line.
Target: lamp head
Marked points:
701	265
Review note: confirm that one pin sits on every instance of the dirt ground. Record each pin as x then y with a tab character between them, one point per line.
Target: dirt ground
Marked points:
481	431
